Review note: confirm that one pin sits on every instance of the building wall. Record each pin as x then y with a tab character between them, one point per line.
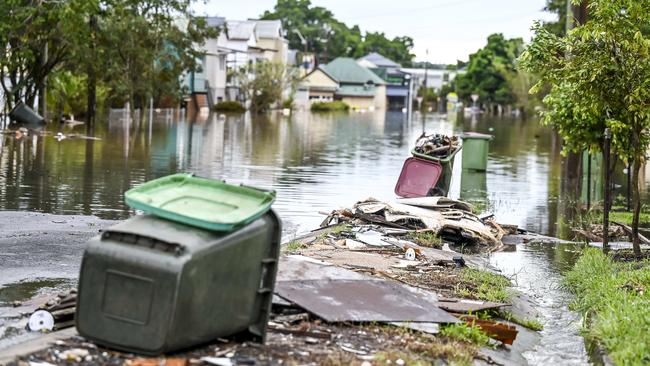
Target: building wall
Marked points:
319	79
360	102
380	97
279	47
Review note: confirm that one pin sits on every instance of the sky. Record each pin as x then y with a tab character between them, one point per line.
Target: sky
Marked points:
449	29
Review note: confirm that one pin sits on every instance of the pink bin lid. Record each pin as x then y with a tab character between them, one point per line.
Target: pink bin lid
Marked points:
417	178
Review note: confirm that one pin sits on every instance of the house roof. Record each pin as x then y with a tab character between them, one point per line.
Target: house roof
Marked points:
346	70
240	30
356	91
379	60
215	22
269	29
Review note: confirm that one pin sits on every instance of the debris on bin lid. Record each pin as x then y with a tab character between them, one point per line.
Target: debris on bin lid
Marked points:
476	135
436	145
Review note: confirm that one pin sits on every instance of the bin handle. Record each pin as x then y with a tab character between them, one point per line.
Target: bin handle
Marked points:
269	191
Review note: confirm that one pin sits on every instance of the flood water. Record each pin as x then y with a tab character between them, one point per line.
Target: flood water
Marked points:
316	163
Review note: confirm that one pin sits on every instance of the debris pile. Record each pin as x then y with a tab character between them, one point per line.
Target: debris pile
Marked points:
436	145
375	280
450	220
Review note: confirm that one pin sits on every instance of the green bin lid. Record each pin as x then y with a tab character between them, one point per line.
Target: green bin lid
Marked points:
476	135
205	203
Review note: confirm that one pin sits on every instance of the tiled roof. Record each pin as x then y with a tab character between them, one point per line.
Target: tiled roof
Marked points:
240	30
269	28
346	70
380	60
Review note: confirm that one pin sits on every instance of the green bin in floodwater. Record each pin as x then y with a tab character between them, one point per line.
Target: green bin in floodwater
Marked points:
21	113
447	163
475	150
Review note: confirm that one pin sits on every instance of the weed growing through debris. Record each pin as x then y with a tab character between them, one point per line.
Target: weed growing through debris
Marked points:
483	285
293	246
426	239
417	348
334	230
532	324
466	333
615	300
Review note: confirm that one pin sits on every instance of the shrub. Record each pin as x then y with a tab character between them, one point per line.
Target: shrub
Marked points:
329	106
229	106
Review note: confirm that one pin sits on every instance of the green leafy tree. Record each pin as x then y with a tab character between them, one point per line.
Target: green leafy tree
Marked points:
264	83
600	78
489	71
328	38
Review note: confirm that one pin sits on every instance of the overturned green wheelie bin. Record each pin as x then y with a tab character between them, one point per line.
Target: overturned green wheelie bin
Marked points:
151	285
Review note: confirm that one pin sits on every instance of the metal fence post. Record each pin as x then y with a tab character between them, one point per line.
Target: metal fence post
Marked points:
606	157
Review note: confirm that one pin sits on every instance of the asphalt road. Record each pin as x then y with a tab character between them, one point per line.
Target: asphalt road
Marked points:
40	246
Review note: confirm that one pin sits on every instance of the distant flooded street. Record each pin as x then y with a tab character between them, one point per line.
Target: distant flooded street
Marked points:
315	162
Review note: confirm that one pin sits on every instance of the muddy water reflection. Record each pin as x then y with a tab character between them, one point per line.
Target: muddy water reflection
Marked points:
315	162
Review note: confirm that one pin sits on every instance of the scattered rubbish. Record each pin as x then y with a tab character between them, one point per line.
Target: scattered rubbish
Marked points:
74	355
218	361
459	261
347	348
431	328
364	301
40	320
410	254
40	363
156	362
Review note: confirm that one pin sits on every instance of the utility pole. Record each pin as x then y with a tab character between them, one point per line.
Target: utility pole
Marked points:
426	77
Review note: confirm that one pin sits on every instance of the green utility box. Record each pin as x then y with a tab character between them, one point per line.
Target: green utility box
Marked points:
447	163
475	150
152	286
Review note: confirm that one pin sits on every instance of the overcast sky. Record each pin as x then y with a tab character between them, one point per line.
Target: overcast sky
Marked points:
449	29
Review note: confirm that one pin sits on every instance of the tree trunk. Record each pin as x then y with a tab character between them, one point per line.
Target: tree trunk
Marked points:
91	82
636	167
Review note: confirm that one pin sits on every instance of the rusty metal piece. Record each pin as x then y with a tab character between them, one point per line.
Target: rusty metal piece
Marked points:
364	301
500	331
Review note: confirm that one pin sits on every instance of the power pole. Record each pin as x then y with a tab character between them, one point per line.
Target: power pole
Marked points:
426	76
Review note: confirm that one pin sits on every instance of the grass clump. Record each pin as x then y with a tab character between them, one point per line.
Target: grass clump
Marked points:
229	106
334	230
625	217
426	239
532	324
483	285
416	348
615	300
293	246
329	106
466	333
